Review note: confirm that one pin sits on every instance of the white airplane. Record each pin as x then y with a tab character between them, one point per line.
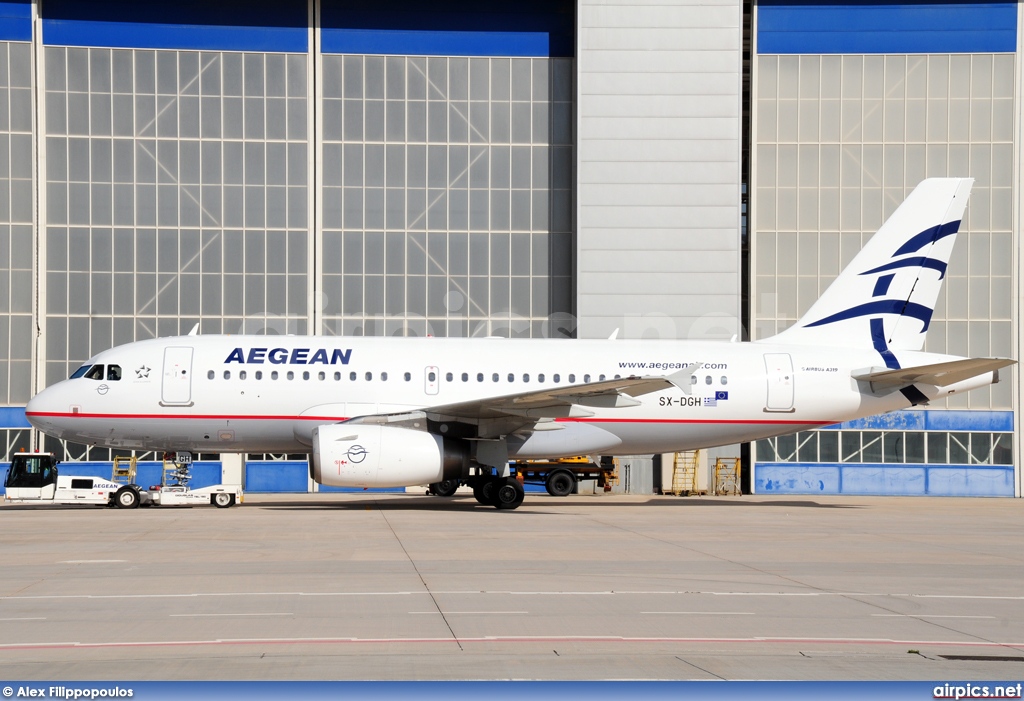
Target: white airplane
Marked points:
384	412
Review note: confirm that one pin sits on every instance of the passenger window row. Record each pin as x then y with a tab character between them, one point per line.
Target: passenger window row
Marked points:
431	376
291	375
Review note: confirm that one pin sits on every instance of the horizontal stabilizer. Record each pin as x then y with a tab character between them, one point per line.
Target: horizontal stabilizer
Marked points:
937	374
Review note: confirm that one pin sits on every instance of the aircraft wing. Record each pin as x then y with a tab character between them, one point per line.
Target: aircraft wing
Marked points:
937	374
506	413
554	402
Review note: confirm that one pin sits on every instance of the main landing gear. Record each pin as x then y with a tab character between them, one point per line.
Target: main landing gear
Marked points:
500	492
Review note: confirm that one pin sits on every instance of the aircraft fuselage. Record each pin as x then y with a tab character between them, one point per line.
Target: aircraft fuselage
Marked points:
266	394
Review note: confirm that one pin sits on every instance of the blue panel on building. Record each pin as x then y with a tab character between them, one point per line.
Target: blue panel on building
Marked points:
888	480
972	481
148	474
15	20
789	478
885	479
381	41
13	417
448	28
915	420
224	25
872	27
893	421
3	476
969	421
277	476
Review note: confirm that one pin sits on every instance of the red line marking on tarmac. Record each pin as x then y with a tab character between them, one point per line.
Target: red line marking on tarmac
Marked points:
503	640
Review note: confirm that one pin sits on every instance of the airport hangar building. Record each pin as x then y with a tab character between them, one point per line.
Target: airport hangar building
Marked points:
531	168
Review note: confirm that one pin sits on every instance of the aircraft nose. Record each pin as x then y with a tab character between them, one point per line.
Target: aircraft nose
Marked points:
40	409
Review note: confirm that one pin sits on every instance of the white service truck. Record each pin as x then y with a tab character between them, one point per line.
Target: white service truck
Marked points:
33	479
220	495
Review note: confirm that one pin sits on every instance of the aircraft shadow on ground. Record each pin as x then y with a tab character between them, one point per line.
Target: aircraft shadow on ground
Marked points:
425	503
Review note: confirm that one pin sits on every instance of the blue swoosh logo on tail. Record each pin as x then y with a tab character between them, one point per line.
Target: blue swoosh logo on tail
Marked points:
885	306
928	236
915	262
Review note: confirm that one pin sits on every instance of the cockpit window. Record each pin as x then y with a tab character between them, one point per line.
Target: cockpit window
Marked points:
81	371
95	373
114	372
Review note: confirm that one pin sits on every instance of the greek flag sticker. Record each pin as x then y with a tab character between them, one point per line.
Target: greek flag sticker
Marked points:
713	401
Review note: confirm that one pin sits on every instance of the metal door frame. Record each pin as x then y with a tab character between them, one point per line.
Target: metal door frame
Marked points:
169	357
771	378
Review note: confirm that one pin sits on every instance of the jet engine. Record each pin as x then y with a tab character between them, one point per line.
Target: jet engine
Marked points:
364	455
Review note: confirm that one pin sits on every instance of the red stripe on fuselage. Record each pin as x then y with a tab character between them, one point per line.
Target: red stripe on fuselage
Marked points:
217	417
208	417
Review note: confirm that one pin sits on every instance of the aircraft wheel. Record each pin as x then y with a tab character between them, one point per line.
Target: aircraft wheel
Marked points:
508	494
560	483
223	500
478	490
444	488
126	498
487	490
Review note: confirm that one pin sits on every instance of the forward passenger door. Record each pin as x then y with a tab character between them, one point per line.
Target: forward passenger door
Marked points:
177	377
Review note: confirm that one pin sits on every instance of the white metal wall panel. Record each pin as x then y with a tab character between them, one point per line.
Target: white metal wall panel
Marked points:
658	168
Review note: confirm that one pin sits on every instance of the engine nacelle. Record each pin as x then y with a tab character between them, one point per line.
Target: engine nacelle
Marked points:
363	455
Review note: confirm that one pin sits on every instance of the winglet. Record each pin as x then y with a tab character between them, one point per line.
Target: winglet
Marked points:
615	334
194	331
684	378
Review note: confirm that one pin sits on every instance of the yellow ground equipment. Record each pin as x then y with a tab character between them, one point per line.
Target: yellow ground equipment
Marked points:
561	476
124	470
727	477
684	473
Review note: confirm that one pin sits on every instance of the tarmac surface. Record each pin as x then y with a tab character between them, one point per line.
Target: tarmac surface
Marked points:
410	587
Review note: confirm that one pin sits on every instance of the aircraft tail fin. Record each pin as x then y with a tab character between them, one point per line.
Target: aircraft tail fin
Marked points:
885	297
